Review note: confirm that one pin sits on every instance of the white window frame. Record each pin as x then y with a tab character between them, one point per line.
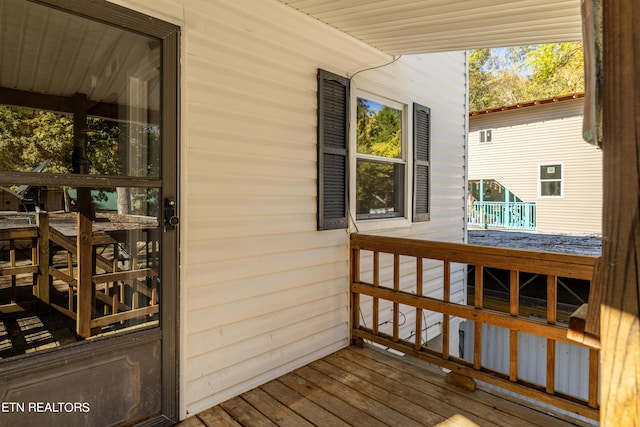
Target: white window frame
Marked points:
562	179
482	135
403	104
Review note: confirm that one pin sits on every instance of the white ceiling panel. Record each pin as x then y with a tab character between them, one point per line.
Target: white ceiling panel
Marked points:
422	26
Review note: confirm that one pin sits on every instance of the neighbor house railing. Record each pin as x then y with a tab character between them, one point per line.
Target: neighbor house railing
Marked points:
508	215
387	286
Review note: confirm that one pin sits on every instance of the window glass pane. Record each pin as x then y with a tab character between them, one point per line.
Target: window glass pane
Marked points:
379	129
551	188
380	189
123	263
103	78
551	172
78	97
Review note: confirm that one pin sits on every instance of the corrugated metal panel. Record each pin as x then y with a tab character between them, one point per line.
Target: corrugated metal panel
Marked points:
542	134
403	26
263	292
572	361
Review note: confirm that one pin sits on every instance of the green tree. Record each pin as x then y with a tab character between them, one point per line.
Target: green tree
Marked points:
28	137
505	76
556	69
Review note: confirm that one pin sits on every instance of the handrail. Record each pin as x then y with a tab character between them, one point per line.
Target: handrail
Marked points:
405	288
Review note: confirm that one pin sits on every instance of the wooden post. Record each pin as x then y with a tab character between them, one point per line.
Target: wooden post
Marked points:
85	219
355	297
620	310
85	269
42	222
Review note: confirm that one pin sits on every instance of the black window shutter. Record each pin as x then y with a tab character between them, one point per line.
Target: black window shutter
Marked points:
421	164
333	150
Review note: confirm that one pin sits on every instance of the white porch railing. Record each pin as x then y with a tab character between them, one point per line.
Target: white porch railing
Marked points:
509	215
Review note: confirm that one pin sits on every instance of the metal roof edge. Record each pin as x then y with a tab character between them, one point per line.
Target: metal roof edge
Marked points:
532	103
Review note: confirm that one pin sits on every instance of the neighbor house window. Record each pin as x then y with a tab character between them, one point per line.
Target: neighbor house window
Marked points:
380	160
551	183
485	136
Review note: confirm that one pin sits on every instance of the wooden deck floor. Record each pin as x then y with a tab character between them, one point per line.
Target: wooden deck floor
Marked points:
368	387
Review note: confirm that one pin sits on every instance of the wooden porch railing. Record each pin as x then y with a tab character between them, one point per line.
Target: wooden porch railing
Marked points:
398	292
15	238
123	293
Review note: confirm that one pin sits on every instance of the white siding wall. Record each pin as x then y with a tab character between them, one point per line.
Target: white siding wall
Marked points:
543	134
262	291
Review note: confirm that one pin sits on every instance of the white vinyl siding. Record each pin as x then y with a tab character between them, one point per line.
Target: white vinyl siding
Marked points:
263	292
547	134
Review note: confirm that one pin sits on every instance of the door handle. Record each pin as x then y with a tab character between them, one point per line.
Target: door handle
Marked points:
171	220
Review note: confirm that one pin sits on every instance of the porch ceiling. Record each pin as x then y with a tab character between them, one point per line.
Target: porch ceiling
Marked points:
422	26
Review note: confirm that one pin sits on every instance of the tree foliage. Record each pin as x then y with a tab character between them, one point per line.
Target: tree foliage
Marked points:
506	76
29	137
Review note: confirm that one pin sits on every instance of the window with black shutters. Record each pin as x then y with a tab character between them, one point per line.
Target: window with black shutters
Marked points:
382	168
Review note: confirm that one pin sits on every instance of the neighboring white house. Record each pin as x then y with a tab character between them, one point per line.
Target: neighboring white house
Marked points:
536	152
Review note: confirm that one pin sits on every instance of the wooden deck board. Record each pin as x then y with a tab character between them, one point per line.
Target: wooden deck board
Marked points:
215	417
334	404
445	403
276	411
369	387
357	398
479	407
382	392
314	413
494	409
245	414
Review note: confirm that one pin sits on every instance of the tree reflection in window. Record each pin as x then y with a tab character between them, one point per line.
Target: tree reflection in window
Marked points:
380	170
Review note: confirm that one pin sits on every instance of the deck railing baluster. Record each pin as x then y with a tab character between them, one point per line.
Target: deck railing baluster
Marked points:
419	285
477	328
396	306
594	364
552	303
12	264
514	308
446	297
376	283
